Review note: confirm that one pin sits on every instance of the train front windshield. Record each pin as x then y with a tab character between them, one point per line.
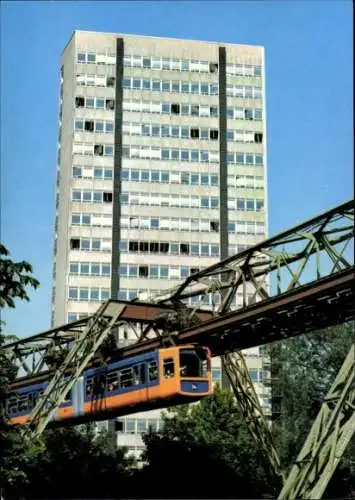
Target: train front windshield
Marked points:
194	362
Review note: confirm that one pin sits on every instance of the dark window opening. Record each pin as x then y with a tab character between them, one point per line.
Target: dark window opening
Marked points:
79	102
164	247
214	134
143	271
143	246
133	246
195	133
194	270
154	247
118	426
213	111
153	370
89	126
75	243
110	82
133	222
175	109
168	367
193	363
98	150
126	376
184	248
248	114
110	104
214	226
213	67
258	137
107	197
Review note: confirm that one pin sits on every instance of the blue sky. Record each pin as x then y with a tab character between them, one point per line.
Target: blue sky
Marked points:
309	92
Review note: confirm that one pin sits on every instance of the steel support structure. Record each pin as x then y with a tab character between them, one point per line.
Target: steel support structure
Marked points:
311	287
80	353
329	436
249	405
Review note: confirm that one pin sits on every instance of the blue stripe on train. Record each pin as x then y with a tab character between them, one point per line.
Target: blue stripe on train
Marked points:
192	386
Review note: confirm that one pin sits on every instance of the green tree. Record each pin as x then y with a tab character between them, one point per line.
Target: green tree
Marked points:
204	450
77	463
15	279
303	369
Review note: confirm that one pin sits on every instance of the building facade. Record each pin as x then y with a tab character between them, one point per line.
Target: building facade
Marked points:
161	172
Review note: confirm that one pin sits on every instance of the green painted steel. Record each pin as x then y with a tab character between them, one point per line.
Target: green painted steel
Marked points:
329	436
249	405
78	356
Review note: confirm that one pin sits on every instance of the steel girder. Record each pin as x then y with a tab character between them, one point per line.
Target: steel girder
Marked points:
78	356
329	436
317	248
249	405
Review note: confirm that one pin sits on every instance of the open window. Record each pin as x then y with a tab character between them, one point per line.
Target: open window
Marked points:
214	226
168	367
89	125
258	137
164	247
143	246
118	426
175	109
195	133
213	67
195	110
110	82
79	102
74	243
213	111
133	246
98	150
154	246
107	197
214	134
184	248
153	371
143	271
110	104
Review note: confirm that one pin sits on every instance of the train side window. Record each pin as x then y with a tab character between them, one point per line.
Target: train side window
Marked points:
153	371
12	404
126	377
67	396
112	381
168	367
89	386
136	375
143	373
23	402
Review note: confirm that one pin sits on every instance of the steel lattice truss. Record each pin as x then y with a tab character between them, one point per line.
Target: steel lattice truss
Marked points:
96	331
297	281
329	436
249	405
305	253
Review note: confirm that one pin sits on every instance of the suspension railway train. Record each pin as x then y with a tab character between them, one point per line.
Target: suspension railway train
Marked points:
157	379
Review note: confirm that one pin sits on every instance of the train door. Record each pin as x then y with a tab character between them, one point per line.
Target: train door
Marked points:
153	378
169	372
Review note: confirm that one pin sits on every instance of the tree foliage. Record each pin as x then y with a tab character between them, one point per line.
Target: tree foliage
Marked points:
205	450
303	370
15	277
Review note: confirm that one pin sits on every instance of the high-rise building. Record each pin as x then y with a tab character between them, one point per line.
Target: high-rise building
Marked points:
161	171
